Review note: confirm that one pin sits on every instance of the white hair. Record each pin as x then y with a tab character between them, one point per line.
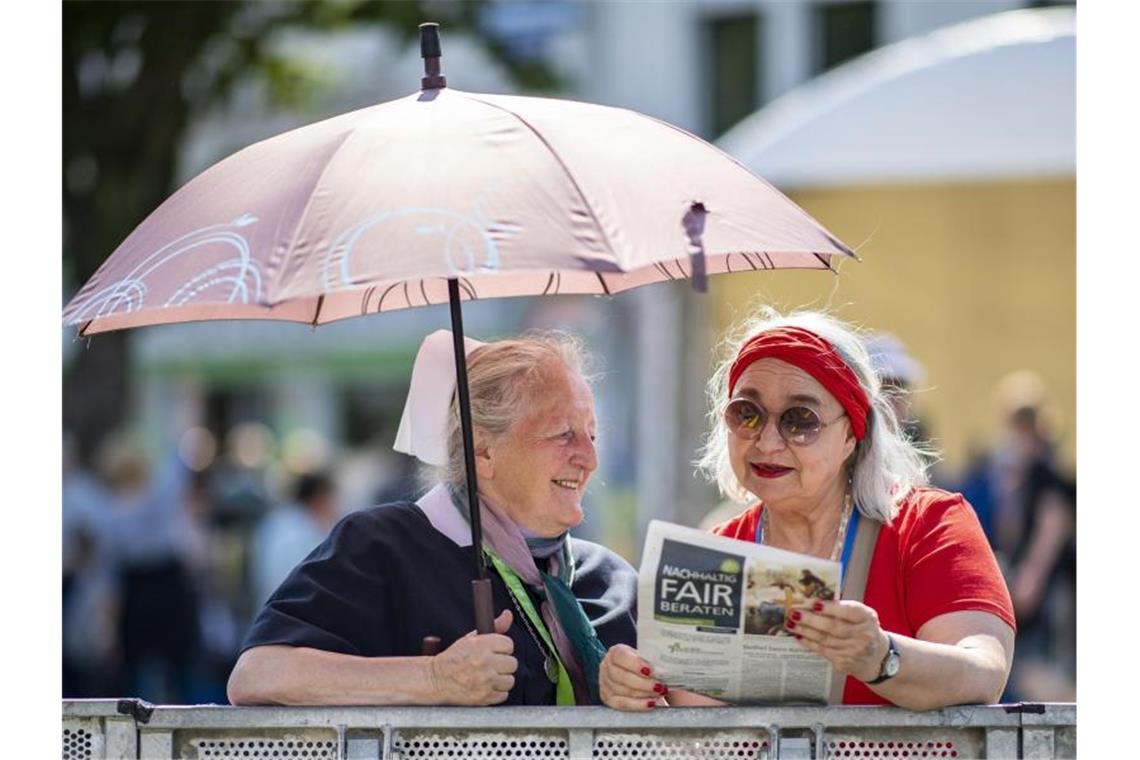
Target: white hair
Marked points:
885	464
503	378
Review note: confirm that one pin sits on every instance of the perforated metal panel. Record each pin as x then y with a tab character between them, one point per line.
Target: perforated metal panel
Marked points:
883	744
78	743
722	745
98	730
480	746
264	749
83	739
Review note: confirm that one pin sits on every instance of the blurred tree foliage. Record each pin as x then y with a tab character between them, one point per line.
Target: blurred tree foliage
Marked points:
135	76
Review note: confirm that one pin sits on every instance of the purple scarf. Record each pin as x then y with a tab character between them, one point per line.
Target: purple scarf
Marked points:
504	537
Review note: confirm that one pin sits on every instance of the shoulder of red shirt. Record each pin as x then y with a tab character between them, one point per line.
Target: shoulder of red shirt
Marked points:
743	526
926	505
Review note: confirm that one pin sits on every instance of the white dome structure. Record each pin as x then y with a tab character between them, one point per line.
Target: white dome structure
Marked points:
987	99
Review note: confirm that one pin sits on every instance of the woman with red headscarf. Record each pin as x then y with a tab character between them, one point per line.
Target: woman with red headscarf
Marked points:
803	433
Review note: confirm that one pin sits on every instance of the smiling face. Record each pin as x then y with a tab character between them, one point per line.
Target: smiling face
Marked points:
791	478
537	471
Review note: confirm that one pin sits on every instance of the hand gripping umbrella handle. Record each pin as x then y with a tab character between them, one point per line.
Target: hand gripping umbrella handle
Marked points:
484	606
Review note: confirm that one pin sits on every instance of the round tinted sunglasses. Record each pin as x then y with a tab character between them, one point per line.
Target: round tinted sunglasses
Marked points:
797	425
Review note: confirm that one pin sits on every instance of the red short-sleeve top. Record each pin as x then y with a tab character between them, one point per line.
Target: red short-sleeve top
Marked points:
932	559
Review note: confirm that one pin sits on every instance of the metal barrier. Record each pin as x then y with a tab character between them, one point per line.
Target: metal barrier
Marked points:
120	729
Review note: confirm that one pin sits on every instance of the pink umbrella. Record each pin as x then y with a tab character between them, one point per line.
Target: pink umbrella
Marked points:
444	196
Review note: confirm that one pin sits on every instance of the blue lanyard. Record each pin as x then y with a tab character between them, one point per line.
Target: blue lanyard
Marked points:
848	541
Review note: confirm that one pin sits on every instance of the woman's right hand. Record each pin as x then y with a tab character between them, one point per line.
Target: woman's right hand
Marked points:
476	669
625	681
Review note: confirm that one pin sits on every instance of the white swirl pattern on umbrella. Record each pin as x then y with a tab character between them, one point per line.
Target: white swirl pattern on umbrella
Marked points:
455	228
130	291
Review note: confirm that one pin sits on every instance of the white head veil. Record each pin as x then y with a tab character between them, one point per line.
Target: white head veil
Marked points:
423	426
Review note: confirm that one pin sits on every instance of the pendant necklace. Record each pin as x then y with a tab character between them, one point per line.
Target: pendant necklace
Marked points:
549	663
840	534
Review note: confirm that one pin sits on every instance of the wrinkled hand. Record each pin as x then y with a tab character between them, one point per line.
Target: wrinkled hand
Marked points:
846	633
625	681
476	669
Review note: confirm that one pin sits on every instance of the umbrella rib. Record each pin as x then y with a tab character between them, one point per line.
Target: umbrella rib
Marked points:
602	280
278	274
380	303
317	313
826	262
565	169
367	297
740	164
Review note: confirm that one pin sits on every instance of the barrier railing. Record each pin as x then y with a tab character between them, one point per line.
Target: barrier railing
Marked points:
121	729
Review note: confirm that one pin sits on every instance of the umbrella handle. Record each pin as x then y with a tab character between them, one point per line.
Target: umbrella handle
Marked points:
484	606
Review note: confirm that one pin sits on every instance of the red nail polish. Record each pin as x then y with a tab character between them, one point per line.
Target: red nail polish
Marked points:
798	637
646	671
818	606
651	703
790	624
796	615
659	688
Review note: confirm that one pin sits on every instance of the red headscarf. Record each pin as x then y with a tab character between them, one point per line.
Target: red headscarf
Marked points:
815	356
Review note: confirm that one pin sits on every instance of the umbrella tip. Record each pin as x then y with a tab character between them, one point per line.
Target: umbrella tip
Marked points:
433	78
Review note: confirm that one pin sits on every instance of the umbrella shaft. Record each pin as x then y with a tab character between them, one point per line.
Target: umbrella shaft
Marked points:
465	423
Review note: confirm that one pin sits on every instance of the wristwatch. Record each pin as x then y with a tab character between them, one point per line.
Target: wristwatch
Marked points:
890	665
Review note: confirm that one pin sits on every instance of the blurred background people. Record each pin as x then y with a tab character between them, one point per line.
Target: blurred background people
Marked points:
1036	538
89	611
900	374
288	533
149	539
1026	501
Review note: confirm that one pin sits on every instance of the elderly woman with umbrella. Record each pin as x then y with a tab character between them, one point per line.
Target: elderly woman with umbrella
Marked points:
346	627
801	424
440	197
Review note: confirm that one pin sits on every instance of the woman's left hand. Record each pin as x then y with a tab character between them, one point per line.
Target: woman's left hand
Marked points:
846	633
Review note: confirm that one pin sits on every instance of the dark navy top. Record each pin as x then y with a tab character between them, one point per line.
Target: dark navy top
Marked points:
385	578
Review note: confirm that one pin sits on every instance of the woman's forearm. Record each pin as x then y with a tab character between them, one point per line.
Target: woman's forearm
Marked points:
285	675
933	675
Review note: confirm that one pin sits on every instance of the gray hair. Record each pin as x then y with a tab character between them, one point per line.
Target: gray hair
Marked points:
502	379
885	464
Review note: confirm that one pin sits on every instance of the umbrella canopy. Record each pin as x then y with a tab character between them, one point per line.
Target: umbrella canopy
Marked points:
445	196
375	209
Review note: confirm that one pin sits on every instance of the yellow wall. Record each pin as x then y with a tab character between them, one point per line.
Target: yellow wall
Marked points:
977	279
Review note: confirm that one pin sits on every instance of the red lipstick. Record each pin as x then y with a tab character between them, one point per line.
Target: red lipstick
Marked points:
765	470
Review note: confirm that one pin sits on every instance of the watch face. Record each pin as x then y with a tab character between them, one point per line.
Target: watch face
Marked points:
891	667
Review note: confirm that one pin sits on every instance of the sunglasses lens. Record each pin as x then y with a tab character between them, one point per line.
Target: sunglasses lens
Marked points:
744	417
800	425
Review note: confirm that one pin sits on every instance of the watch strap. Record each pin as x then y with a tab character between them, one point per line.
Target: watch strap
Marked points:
892	650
